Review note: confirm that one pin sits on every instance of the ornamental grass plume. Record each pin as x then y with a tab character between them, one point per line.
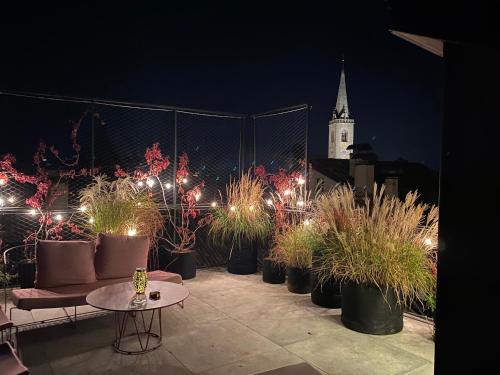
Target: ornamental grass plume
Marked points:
384	242
244	217
119	207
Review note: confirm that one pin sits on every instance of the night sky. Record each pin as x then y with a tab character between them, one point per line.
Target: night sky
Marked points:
232	59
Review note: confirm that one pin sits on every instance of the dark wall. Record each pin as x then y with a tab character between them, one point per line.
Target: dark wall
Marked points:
469	206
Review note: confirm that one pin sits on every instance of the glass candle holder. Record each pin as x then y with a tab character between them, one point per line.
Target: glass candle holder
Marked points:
140	280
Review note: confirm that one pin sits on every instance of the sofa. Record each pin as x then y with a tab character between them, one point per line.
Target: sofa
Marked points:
67	271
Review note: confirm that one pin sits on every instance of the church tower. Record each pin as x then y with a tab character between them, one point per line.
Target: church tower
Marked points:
341	126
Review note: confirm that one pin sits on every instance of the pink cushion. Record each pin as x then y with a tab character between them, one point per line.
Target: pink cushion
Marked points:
118	256
64	263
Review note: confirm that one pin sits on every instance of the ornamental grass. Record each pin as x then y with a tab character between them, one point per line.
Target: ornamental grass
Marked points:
381	241
296	244
244	217
119	207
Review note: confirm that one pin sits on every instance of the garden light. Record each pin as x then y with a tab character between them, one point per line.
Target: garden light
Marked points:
307	222
300	203
91	220
184	180
132	232
32	212
140	184
168	185
269	202
11	199
287	192
301	181
251	207
3	181
232	208
214	204
1	202
428	242
197	196
150	182
83	208
58	217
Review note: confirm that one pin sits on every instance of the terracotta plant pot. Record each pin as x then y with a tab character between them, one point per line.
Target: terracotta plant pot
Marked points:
367	309
298	280
273	272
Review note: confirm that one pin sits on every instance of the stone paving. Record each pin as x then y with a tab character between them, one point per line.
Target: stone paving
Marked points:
231	325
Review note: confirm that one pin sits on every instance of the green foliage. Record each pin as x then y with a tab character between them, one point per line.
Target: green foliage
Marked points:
297	244
118	207
383	241
244	218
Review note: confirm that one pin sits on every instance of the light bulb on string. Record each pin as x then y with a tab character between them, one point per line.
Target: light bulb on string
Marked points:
11	199
150	182
140	184
214	204
168	185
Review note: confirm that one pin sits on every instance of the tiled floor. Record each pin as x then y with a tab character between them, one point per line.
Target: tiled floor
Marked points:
231	325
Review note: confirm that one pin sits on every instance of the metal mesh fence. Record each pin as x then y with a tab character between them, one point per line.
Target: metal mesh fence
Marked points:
219	145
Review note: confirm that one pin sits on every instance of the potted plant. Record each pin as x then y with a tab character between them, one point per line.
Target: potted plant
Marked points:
242	223
382	250
176	253
288	203
119	207
297	244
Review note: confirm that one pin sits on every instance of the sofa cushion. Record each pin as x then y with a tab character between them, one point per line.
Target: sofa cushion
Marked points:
118	256
74	295
64	263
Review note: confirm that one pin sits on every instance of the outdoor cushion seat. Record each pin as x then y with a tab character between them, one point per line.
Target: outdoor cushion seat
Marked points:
9	361
5	322
74	295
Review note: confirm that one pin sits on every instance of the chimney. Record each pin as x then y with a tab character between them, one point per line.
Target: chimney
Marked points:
362	168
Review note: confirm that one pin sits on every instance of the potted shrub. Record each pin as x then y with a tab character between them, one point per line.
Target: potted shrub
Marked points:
297	244
242	223
382	251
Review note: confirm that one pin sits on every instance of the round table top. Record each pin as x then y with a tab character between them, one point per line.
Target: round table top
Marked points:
118	297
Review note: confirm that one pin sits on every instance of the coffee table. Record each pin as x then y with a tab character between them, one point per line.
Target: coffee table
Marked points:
118	298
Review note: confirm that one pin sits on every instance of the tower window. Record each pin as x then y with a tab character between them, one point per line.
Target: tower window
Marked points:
332	137
344	135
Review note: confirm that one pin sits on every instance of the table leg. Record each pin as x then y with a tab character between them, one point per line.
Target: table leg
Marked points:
121	326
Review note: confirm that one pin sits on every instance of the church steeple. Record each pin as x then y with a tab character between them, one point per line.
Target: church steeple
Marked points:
342	108
341	126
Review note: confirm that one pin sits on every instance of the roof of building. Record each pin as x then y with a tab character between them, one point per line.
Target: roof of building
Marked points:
336	169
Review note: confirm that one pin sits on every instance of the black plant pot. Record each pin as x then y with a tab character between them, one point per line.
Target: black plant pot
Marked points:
243	260
326	295
367	309
298	280
183	263
273	272
26	273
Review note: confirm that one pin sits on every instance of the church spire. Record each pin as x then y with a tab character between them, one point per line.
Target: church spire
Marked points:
342	108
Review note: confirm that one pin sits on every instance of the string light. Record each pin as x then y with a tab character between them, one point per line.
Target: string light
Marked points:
140	184
139	204
168	185
307	222
428	242
184	180
269	202
301	181
197	196
83	208
132	232
232	208
150	182
251	207
300	203
32	212
3	181
214	204
91	220
59	217
11	199
1	202
287	192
